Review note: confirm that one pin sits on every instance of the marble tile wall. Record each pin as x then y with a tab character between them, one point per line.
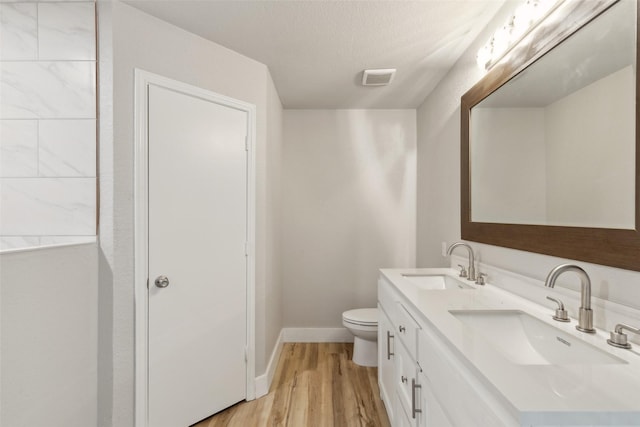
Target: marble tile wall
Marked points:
47	123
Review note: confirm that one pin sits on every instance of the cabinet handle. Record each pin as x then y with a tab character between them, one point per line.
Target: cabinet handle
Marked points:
403	379
389	353
414	410
402	328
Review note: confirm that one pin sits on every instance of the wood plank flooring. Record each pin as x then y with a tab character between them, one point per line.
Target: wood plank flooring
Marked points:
315	385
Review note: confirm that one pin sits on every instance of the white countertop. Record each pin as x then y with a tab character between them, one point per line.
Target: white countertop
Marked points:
596	394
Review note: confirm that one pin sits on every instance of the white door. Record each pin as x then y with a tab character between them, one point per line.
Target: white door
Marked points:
197	236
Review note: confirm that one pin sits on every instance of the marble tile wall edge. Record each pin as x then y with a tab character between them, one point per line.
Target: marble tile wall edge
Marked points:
18	242
46	1
48	90
47	123
67	148
66	31
47	206
66	240
18	148
24	243
18	31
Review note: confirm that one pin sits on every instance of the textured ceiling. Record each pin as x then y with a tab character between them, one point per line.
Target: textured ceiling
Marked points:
316	50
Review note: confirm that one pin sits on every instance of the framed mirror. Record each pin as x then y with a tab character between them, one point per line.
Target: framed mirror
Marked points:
549	140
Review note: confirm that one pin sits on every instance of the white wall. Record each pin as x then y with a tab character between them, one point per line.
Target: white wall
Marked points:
49	327
439	187
141	41
273	294
608	164
348	208
106	354
508	142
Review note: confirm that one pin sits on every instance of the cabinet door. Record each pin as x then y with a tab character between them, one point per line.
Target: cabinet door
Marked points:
386	364
405	374
431	414
407	330
402	418
459	391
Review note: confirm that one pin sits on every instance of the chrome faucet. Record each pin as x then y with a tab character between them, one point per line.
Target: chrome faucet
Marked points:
585	314
471	274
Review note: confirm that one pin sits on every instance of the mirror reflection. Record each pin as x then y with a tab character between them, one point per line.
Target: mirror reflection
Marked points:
556	144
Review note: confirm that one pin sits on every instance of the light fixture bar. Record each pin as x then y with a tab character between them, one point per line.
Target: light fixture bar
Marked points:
523	21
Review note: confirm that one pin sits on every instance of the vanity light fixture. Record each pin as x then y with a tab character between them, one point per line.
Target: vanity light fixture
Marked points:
526	17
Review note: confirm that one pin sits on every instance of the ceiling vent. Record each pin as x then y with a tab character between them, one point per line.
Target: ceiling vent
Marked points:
378	77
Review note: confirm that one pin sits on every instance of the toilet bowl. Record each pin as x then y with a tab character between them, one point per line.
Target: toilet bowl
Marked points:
363	324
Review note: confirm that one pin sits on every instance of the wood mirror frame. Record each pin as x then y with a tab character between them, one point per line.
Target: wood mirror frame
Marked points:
612	247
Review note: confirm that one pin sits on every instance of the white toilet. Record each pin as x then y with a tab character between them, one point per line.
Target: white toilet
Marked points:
363	324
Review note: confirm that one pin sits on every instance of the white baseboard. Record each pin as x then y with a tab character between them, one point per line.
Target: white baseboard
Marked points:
317	335
263	382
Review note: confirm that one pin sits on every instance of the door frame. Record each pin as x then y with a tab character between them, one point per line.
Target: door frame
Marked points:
144	79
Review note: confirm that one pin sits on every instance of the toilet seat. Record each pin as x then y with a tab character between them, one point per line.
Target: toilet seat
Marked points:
361	317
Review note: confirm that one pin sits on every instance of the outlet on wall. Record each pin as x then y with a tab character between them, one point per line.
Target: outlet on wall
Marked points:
444	248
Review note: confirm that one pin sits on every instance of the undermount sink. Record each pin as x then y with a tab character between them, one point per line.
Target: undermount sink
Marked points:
436	281
526	340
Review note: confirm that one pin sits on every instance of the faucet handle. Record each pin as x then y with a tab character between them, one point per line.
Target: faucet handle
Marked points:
619	338
463	271
561	313
480	278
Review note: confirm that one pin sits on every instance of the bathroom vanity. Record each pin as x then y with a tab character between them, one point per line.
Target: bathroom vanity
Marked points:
455	353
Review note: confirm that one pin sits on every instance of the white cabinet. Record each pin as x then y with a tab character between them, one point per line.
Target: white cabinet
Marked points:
459	392
431	413
407	330
422	382
409	386
402	419
386	361
397	358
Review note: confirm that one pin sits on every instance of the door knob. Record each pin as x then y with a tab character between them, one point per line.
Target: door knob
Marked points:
162	281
